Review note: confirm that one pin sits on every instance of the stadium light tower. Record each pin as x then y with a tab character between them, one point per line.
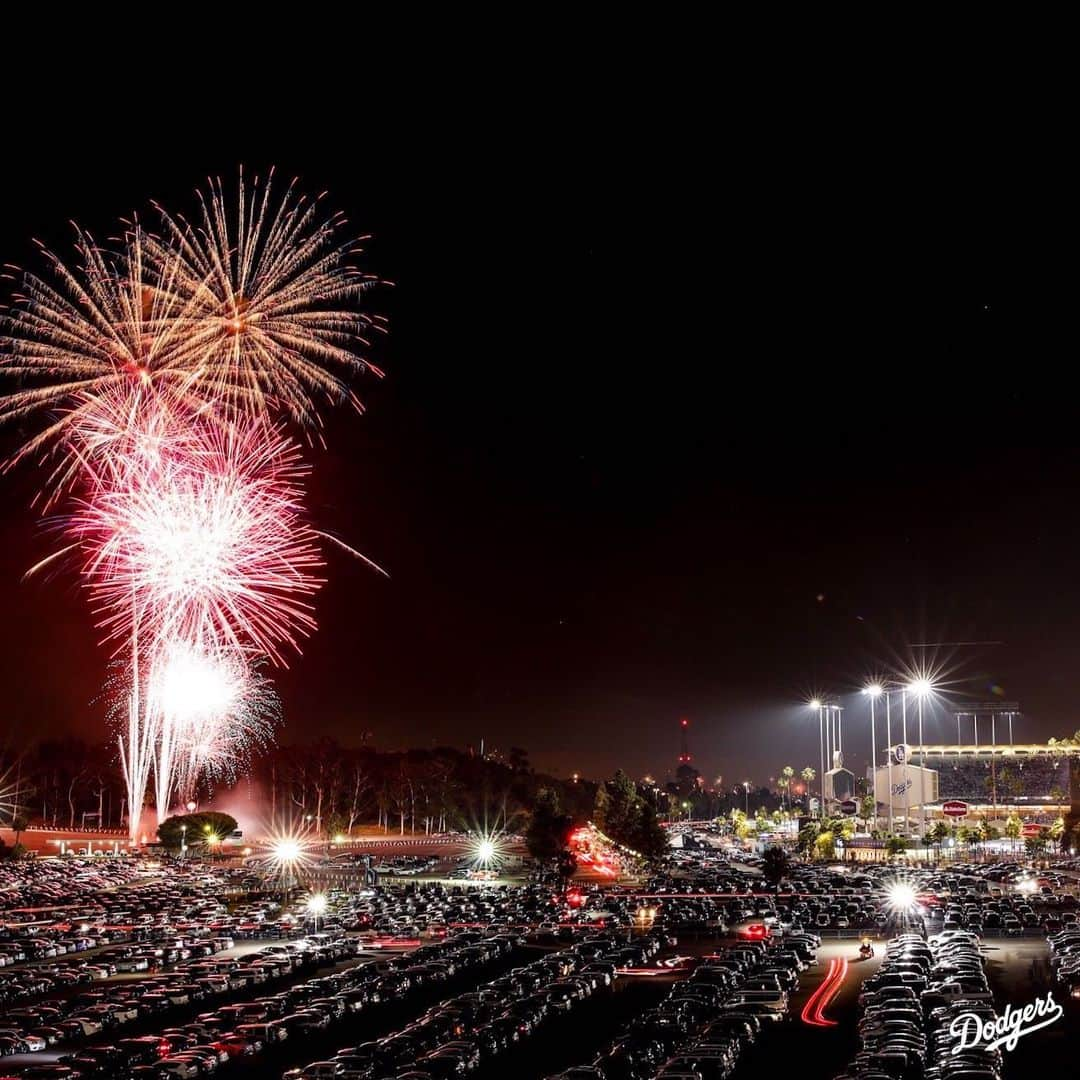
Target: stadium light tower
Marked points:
815	703
921	688
873	691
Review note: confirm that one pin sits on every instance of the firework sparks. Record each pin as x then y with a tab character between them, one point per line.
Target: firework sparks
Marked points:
162	364
202	540
211	710
271	294
113	325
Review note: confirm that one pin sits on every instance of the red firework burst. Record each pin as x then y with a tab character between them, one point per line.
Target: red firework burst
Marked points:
198	533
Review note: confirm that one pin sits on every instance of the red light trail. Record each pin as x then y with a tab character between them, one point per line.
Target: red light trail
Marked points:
813	1012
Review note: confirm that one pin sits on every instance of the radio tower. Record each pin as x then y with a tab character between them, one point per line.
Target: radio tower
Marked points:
684	751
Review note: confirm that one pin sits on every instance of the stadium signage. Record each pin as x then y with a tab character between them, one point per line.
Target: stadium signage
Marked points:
954	808
1008	1028
1031	828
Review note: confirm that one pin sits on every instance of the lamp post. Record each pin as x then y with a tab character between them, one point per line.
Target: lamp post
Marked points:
316	905
873	692
889	751
183	841
922	689
746	790
816	704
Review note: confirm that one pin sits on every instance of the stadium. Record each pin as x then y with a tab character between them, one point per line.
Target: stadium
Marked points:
1036	781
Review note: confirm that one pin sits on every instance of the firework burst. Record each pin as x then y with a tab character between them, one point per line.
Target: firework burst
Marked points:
162	363
212	710
112	326
270	292
202	537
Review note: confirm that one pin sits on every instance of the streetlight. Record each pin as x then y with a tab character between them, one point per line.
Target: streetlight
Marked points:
921	688
746	789
316	905
815	703
873	692
183	841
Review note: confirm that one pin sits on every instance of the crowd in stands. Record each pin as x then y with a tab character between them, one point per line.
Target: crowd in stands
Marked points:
1028	780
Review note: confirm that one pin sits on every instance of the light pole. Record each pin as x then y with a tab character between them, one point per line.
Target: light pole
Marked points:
316	905
889	751
816	704
183	841
746	789
873	692
922	689
907	764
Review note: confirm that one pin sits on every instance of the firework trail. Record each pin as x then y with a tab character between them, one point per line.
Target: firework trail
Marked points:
210	711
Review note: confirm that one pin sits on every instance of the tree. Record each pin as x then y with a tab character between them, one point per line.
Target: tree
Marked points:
648	838
808	775
739	825
825	845
1035	846
775	865
938	833
1014	827
867	809
622	806
207	828
19	823
808	835
787	773
600	806
895	845
548	834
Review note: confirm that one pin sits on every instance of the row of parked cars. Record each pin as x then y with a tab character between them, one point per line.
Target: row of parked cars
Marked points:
91	1021
707	1023
471	1030
1064	946
909	1005
308	1009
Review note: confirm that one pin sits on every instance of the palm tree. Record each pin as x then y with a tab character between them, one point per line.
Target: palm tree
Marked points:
808	775
1013	828
786	773
938	834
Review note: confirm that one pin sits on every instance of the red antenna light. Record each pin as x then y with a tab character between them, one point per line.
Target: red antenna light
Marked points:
684	755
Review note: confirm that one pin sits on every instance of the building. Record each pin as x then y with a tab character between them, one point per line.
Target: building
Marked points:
1036	781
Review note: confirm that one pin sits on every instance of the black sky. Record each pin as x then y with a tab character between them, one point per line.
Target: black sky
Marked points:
659	377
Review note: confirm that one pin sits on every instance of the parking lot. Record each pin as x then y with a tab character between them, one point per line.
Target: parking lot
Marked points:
130	967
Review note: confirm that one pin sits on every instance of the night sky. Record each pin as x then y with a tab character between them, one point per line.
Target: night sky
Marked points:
677	421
